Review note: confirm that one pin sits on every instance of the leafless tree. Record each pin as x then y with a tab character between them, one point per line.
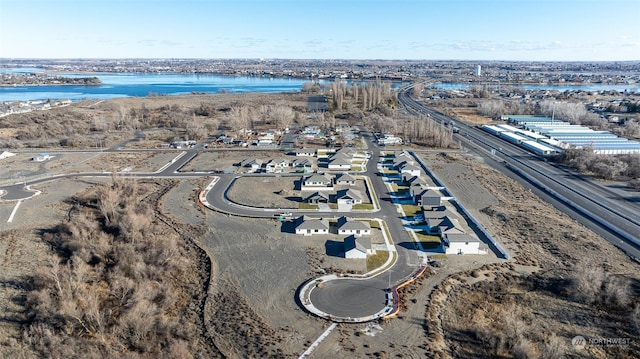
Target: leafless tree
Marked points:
493	108
238	119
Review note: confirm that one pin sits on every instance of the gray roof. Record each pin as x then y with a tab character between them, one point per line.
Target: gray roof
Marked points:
363	244
301	162
409	167
355	225
346	177
461	237
340	160
250	161
440	212
314	224
305	150
317	194
351	193
322	178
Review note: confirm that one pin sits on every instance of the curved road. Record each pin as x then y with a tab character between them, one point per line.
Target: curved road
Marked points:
343	297
346	297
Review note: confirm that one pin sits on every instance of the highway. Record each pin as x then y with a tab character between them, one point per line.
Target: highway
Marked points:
614	217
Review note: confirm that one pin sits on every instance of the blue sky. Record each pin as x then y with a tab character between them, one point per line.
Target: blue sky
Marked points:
538	30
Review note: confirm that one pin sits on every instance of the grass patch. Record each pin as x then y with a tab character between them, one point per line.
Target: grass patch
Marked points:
374	224
363	206
424	237
410	210
399	189
307	206
387	171
428	241
439	256
375	261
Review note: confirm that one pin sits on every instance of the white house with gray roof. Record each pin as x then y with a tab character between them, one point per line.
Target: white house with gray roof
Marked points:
309	227
357	247
317	182
346	179
349	196
353	227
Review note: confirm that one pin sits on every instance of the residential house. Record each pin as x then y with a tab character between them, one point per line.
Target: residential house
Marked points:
399	162
441	225
407	179
309	227
317	197
339	162
410	169
277	165
252	164
318	182
305	152
349	196
346	179
437	212
357	247
346	151
427	197
461	243
356	228
305	164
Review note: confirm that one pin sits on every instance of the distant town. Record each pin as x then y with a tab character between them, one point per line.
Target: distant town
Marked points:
445	71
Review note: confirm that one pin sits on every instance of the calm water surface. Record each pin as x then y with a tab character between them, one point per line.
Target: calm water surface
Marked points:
140	85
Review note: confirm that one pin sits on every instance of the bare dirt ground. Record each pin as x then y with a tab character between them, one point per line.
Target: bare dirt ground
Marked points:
277	192
21	168
222	160
546	247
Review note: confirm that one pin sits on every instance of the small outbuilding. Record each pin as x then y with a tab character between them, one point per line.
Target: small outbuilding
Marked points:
41	157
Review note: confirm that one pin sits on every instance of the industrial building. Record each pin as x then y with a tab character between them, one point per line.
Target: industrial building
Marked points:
561	135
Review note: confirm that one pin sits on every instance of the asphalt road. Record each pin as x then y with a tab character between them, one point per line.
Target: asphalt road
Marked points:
343	297
616	218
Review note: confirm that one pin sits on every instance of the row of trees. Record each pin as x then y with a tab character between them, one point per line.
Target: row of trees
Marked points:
366	96
603	166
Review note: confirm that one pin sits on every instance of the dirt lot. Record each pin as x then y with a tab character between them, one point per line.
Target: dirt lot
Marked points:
21	167
546	248
219	161
278	192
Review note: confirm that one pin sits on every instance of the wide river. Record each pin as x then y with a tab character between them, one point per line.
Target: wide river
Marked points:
140	85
